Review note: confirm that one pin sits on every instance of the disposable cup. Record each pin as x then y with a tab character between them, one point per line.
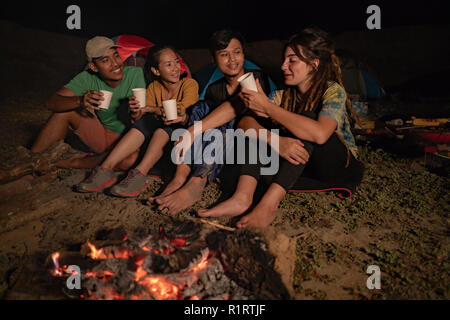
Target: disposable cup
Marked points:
140	93
247	81
170	109
107	95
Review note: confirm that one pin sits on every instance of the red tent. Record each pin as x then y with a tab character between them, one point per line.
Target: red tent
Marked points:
134	51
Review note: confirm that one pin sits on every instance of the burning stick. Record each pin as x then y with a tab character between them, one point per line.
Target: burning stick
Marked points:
212	223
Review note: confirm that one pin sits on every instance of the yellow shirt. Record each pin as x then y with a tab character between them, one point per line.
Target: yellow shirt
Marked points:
186	96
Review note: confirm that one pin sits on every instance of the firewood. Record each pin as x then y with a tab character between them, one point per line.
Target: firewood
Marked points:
16	187
39	163
25	217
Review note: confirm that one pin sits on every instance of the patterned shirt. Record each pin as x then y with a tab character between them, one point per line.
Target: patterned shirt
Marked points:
333	107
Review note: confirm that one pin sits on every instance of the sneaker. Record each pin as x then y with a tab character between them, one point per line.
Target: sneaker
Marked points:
99	179
135	183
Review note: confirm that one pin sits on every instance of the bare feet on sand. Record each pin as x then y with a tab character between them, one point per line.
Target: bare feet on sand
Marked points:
265	211
234	206
175	184
183	198
261	216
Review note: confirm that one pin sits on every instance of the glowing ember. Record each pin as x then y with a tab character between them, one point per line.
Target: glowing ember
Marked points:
112	295
160	288
178	242
104	275
141	282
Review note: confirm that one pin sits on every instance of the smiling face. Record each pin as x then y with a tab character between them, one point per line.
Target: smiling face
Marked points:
296	72
169	66
230	60
109	66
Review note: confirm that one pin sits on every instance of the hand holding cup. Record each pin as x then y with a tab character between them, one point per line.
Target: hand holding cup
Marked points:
92	99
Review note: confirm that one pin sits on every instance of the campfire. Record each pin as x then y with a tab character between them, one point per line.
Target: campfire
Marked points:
188	263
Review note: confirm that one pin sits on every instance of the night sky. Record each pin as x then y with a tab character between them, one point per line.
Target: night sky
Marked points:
189	23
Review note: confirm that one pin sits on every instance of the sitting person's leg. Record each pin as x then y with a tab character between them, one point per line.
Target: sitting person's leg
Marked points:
239	202
103	176
181	174
126	146
88	129
137	180
264	212
184	197
56	129
342	170
191	192
242	198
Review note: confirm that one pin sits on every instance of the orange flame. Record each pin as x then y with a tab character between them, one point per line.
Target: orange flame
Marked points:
95	253
201	265
58	271
100	254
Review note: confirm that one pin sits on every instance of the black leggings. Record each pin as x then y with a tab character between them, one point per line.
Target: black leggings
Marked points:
330	165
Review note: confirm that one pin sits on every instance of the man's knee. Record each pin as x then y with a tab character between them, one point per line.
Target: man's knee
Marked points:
72	118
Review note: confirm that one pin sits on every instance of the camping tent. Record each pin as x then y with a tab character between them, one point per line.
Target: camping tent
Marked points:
210	73
357	78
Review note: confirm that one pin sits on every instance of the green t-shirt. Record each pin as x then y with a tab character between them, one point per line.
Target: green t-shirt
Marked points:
133	77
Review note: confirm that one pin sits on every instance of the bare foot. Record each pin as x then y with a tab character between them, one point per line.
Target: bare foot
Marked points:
183	198
234	206
176	183
173	186
261	216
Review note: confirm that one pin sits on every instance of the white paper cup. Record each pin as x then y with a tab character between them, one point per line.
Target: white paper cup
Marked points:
140	93
107	95
170	109
247	81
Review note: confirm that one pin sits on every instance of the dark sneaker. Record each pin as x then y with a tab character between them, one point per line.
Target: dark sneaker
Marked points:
135	183
99	179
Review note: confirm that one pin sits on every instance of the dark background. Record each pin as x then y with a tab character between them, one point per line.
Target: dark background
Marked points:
410	54
188	24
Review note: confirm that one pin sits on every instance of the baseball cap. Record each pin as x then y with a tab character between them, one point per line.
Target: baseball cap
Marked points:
97	46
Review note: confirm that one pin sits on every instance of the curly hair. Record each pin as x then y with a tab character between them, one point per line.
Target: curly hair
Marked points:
310	44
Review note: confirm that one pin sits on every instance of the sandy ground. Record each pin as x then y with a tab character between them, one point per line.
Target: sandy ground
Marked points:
397	220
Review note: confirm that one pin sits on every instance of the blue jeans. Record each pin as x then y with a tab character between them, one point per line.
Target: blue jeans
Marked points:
200	110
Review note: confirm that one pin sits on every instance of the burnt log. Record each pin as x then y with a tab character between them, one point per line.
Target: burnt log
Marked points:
34	163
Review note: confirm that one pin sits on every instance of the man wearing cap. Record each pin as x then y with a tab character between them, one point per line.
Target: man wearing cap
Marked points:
75	106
